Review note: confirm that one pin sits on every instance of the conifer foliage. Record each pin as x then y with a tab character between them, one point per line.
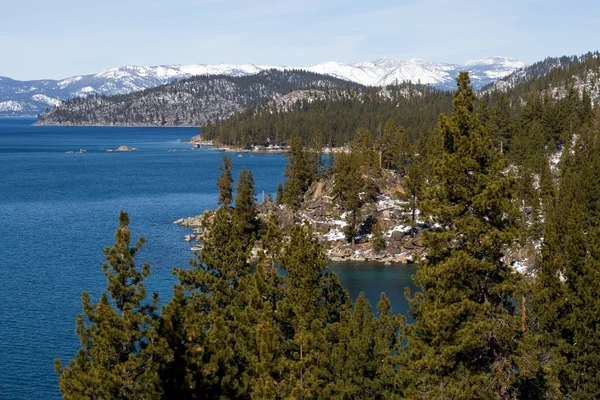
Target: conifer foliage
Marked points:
225	181
464	340
120	349
300	172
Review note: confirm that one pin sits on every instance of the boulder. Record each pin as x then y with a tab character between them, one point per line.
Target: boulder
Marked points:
286	218
316	191
397	236
321	208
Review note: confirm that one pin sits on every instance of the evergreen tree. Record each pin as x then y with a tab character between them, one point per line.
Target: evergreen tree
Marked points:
501	124
245	205
395	147
363	355
120	351
218	346
417	175
299	173
225	181
466	333
363	149
313	300
348	184
279	196
379	243
389	151
271	238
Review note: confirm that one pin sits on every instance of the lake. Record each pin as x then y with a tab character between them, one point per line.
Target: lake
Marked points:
60	207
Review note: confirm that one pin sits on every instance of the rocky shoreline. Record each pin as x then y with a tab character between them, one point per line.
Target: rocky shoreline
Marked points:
336	250
198	141
321	212
128	125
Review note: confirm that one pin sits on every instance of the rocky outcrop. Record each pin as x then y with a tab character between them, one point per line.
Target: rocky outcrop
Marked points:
323	213
125	148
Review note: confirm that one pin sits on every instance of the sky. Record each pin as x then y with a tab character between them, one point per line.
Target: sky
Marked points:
62	38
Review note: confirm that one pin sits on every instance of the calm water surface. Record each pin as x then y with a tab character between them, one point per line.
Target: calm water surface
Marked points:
58	210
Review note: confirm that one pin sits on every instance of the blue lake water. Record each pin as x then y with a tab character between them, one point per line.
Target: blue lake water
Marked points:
58	211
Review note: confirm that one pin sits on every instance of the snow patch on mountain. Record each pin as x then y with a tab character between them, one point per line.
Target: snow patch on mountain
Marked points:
45	99
11	106
389	71
69	81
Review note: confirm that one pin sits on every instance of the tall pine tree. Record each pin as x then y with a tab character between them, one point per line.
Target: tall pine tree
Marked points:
121	350
467	326
225	181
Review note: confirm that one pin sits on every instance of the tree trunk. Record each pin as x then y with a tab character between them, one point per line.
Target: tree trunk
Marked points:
524	314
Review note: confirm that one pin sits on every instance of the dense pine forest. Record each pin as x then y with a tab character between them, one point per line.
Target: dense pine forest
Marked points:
333	118
489	176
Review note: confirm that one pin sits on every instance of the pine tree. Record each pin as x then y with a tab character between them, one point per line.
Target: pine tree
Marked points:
467	329
389	151
312	301
218	347
363	352
299	173
348	184
225	181
120	351
363	149
395	147
502	124
279	196
379	243
265	293
271	238
245	205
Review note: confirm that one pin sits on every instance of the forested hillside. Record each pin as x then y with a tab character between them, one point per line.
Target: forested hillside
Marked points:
190	102
538	70
333	117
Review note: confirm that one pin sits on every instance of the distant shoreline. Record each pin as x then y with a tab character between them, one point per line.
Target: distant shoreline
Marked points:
38	123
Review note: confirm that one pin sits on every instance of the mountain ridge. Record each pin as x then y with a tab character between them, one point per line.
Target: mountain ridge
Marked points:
33	97
192	102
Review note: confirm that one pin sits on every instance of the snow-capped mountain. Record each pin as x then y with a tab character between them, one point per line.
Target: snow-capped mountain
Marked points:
387	71
34	97
30	98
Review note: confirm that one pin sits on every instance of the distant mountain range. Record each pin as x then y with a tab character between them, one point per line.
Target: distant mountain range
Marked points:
31	98
388	71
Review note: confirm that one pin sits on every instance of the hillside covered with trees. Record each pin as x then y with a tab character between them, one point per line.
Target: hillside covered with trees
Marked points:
190	102
333	118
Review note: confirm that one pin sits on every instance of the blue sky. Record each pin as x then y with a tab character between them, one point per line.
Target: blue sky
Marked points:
61	38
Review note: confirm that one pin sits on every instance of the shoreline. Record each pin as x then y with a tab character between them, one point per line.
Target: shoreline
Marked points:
334	249
199	142
67	125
